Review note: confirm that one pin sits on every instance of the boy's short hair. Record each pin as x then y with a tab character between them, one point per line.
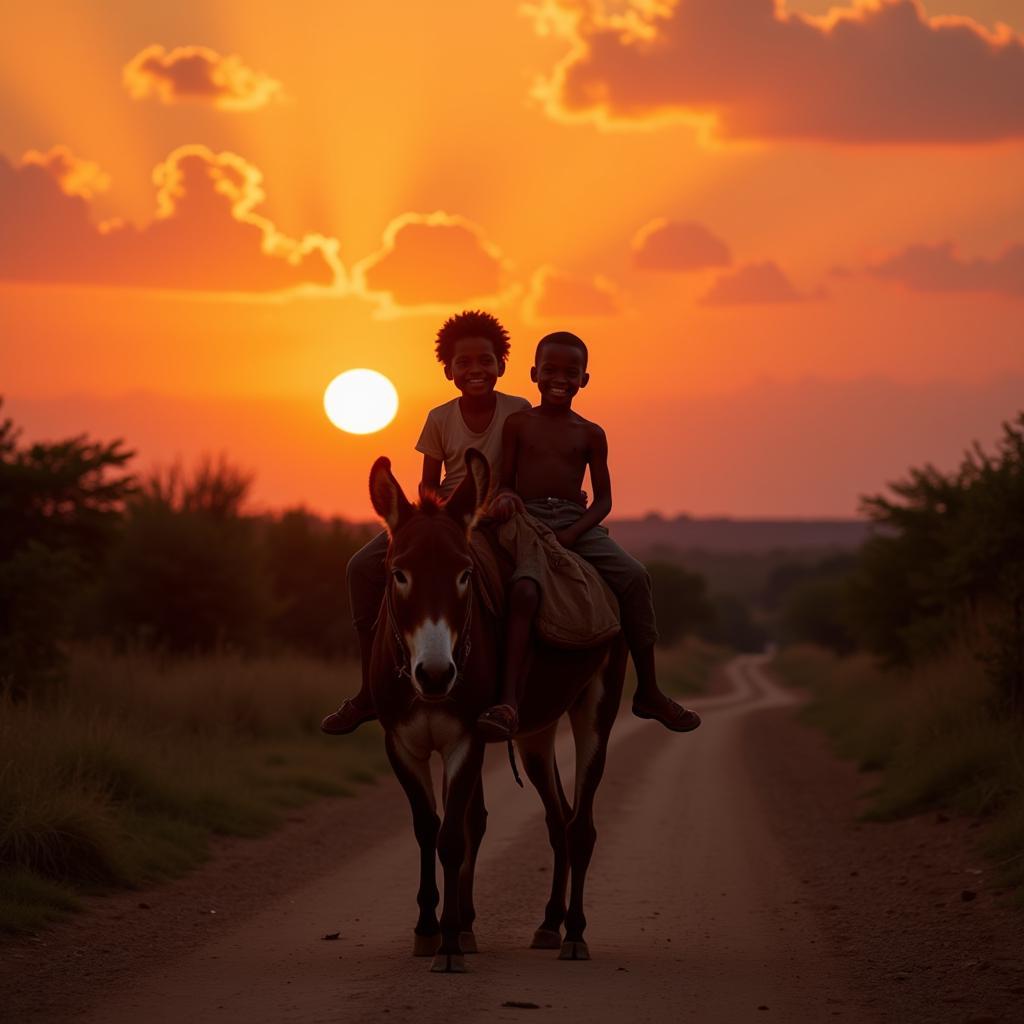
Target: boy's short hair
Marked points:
562	338
471	324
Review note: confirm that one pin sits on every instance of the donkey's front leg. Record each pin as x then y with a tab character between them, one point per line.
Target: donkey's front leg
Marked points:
463	762
414	775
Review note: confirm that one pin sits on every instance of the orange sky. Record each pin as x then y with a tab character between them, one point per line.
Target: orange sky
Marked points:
800	266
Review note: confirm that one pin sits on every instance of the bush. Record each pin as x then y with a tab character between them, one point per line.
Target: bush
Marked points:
948	564
60	508
680	600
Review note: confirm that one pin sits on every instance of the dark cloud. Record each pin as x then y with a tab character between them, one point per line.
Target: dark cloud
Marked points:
205	235
76	177
938	268
881	71
432	260
555	293
752	284
678	245
197	74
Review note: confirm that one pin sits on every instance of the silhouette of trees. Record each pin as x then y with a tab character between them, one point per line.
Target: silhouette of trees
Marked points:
681	601
188	574
61	505
173	562
948	564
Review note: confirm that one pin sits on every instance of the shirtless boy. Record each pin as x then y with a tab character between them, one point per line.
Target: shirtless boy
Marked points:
545	452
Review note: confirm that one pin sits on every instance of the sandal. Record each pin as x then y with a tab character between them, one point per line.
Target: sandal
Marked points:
673	716
347	718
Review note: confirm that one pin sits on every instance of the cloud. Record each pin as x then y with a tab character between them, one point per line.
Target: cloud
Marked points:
879	71
676	245
205	235
197	74
752	284
938	268
555	293
76	177
431	261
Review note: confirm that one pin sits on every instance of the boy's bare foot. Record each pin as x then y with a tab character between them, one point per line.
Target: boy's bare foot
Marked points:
347	718
663	709
498	723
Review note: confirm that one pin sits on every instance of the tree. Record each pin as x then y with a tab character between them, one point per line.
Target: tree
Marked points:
60	507
189	573
306	559
680	599
948	562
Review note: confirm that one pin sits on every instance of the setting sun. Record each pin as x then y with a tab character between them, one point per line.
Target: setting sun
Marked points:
360	401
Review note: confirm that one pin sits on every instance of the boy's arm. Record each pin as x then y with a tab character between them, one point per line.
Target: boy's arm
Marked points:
601	481
506	502
431	479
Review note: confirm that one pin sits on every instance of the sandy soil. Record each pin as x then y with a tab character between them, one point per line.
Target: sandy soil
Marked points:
731	882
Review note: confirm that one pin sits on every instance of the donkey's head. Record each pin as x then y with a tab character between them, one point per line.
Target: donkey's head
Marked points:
428	591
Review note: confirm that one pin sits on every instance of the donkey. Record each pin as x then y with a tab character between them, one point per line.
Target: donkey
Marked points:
433	671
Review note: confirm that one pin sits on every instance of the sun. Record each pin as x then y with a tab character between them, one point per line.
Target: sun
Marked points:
360	401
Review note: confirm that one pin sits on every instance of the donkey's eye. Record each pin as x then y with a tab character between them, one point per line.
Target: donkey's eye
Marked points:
399	576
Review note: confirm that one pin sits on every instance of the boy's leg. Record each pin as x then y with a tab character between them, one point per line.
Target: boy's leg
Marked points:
366	578
501	721
629	581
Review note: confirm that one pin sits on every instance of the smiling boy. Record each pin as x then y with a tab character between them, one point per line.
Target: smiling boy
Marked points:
546	450
473	348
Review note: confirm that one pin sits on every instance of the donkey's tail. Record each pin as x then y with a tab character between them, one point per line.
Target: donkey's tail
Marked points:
515	767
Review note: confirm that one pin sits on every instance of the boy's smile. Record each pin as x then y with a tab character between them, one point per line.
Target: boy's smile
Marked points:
474	368
559	374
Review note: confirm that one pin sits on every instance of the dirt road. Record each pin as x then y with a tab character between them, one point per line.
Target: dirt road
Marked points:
731	882
692	910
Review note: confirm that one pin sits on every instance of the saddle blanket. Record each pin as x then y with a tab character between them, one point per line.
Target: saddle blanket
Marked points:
576	607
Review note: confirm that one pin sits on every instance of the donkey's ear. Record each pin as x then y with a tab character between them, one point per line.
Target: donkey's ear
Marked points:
470	498
389	502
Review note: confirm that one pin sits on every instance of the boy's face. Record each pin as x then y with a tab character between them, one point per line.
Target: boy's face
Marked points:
559	373
474	368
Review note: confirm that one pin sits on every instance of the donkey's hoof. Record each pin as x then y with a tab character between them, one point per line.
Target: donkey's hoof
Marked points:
544	938
574	951
467	940
449	963
426	945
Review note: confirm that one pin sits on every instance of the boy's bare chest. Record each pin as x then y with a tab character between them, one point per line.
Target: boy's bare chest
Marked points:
562	442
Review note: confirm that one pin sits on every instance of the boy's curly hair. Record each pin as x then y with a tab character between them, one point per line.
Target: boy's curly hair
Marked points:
471	324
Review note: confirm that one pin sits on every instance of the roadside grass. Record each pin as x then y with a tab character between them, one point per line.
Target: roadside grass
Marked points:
935	736
121	776
686	668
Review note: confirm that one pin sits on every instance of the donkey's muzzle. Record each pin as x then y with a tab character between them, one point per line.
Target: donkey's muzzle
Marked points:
434	682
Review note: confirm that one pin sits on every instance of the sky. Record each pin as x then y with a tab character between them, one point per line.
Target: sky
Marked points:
792	234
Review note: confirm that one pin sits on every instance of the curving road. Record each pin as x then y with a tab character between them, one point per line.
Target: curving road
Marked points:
694	912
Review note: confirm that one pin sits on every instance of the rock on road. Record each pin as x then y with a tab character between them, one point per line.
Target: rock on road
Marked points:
694	912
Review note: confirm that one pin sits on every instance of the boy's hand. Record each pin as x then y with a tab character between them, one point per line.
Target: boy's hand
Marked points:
504	506
566	538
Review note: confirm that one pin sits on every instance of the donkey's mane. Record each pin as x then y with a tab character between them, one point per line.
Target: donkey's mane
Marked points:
430	502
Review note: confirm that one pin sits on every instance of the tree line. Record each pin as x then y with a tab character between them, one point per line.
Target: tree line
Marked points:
944	566
170	561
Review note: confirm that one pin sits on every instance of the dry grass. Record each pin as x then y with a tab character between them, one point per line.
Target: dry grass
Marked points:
122	775
933	734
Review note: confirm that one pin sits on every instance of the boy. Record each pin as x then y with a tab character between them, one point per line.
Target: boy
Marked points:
545	452
473	348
